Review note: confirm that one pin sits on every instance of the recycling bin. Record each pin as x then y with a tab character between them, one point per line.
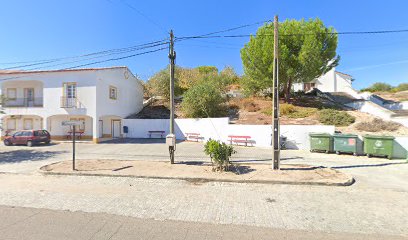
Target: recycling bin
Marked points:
345	143
321	142
379	146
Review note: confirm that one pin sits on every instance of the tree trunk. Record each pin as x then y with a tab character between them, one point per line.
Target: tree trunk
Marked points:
287	89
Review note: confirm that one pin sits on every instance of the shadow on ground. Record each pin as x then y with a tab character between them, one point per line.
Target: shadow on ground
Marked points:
137	141
368	165
22	155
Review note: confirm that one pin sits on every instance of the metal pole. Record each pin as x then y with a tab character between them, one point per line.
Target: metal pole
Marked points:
275	99
172	57
73	147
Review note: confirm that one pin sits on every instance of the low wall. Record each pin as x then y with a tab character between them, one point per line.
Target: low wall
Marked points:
219	129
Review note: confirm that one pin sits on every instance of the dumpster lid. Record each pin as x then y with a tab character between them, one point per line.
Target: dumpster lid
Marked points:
345	135
379	137
320	134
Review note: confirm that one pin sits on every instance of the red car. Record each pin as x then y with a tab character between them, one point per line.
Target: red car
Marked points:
28	137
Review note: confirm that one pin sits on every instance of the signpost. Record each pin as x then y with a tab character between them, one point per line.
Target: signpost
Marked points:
73	124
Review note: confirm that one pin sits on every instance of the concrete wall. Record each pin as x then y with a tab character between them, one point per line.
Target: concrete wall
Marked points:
219	129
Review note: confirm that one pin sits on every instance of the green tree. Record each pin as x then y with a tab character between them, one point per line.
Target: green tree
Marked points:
378	87
401	87
202	101
159	84
307	49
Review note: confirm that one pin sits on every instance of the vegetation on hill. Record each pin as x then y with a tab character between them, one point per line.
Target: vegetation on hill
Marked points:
335	117
202	101
377	125
385	87
302	57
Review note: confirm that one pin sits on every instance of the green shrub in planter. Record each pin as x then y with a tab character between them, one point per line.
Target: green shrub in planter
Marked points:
220	154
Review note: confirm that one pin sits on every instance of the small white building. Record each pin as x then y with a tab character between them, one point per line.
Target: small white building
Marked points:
332	81
98	97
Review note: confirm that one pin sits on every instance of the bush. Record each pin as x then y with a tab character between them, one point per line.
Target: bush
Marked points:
335	117
401	87
203	100
377	125
291	111
378	87
220	154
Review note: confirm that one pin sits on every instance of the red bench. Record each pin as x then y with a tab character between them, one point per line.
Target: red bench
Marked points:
156	132
240	139
78	134
193	137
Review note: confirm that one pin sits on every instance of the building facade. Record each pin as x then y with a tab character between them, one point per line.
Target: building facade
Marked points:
332	81
98	97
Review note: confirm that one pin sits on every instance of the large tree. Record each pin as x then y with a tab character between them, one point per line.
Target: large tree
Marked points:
307	49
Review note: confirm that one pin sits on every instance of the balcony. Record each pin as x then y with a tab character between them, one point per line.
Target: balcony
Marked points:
23	102
67	102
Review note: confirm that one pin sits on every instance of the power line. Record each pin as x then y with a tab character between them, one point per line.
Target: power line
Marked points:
297	34
81	60
143	15
103	53
92	63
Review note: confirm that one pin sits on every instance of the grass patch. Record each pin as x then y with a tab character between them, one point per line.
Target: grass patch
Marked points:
292	111
377	125
335	117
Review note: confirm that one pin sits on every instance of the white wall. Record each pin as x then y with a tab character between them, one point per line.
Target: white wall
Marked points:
219	129
326	83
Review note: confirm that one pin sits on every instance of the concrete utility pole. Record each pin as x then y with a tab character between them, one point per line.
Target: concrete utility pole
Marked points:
275	99
172	57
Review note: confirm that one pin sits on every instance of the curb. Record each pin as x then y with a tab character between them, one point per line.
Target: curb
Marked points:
349	182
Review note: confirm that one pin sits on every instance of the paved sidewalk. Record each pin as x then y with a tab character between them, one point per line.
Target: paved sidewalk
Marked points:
41	224
308	208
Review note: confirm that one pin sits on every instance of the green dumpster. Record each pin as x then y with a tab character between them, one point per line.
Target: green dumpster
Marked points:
378	145
321	142
345	143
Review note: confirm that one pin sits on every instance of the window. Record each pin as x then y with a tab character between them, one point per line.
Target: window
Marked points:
81	127
113	92
11	124
28	124
69	90
11	93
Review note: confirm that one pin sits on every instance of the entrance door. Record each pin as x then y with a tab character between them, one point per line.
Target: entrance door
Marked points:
100	129
28	124
116	128
29	97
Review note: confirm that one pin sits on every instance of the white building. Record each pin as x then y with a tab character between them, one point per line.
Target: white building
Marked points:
332	81
99	97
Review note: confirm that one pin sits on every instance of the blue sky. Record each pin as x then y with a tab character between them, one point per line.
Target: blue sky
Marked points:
42	29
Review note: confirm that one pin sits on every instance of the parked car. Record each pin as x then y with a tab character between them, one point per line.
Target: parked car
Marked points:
28	137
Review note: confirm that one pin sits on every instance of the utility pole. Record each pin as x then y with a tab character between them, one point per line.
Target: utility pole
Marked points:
171	142
275	99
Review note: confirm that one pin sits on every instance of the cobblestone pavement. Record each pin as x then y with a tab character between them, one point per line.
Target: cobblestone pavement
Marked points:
376	204
42	224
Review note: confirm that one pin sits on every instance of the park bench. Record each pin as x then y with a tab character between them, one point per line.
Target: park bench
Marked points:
155	132
240	139
193	137
78	134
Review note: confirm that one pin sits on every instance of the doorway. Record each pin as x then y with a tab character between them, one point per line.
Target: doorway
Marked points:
116	124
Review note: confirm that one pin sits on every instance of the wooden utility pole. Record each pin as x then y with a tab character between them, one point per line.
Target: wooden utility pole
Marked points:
172	57
275	99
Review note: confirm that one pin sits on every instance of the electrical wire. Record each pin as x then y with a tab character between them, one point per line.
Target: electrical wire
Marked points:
104	52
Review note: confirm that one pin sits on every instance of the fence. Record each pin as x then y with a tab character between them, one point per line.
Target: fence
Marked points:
219	129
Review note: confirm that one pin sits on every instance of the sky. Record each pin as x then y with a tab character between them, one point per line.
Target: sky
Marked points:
47	29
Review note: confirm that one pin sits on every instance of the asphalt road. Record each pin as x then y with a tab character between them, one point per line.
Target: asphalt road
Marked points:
42	224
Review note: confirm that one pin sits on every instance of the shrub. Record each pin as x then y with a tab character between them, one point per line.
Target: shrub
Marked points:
377	125
219	153
378	87
291	111
401	87
335	117
203	100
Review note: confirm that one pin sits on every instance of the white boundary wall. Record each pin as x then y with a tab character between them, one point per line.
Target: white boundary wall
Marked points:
219	129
